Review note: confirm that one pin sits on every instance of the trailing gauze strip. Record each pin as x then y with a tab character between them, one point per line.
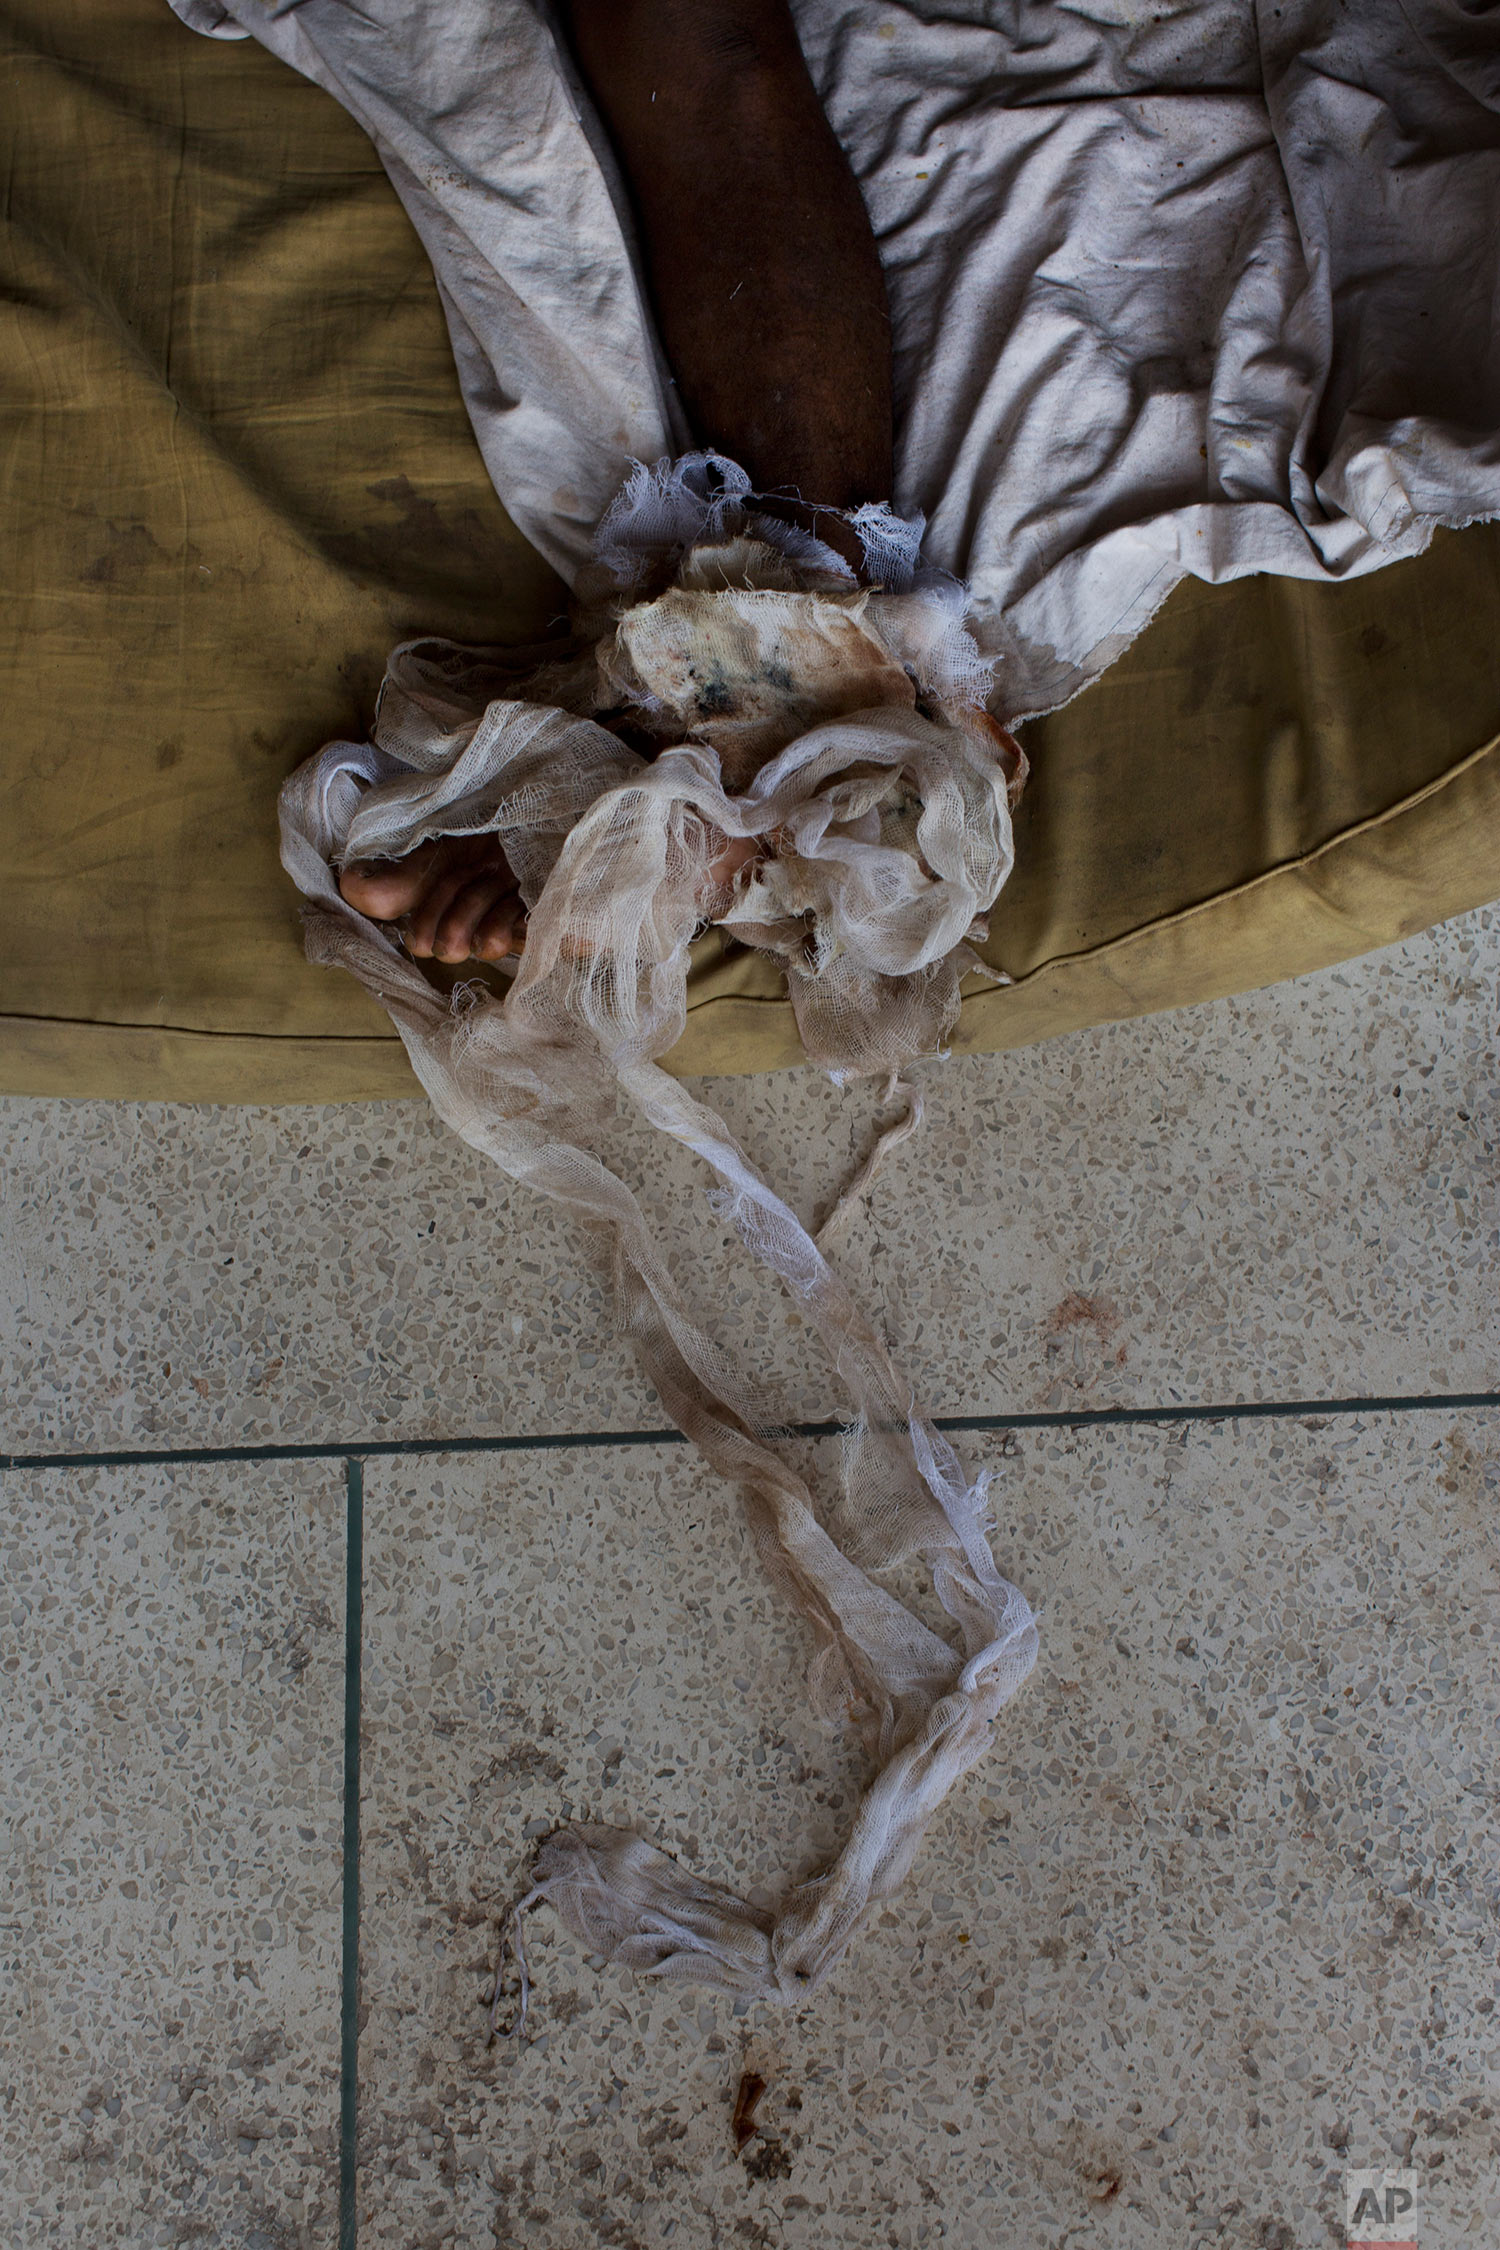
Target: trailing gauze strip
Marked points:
833	734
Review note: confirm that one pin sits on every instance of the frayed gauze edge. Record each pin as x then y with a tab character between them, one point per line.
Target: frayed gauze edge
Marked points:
613	858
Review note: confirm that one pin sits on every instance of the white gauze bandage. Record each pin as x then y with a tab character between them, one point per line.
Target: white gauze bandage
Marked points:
840	731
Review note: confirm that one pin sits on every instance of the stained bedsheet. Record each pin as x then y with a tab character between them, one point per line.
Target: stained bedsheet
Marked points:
236	469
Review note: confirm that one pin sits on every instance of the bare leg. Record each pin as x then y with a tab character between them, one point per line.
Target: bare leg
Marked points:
771	305
758	251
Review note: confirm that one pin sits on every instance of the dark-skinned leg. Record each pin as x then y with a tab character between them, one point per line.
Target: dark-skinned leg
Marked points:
758	253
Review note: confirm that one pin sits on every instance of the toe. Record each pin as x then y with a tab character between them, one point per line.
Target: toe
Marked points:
724	870
502	931
388	888
441	892
453	939
425	919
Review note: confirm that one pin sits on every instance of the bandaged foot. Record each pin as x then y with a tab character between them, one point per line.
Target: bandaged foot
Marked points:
455	898
752	647
753	738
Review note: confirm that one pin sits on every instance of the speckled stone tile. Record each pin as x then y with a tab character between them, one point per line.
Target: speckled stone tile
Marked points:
171	1651
1292	1194
1218	1917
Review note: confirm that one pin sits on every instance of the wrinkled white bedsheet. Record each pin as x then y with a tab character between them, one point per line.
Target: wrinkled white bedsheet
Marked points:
1201	286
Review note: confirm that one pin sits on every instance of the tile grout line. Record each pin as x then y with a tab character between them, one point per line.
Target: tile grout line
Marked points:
354	1571
561	1441
349	2025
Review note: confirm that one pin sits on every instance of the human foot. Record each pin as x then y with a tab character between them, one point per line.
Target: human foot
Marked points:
454	898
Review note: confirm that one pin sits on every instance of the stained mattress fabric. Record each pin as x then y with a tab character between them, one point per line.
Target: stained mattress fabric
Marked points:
236	471
1202	288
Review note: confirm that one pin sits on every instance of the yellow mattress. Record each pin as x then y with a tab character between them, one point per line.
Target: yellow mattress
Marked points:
236	469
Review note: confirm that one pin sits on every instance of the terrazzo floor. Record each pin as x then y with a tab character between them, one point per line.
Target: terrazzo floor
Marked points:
1216	1922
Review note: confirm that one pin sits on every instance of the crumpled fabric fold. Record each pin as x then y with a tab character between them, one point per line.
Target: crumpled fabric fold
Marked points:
838	728
1206	287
